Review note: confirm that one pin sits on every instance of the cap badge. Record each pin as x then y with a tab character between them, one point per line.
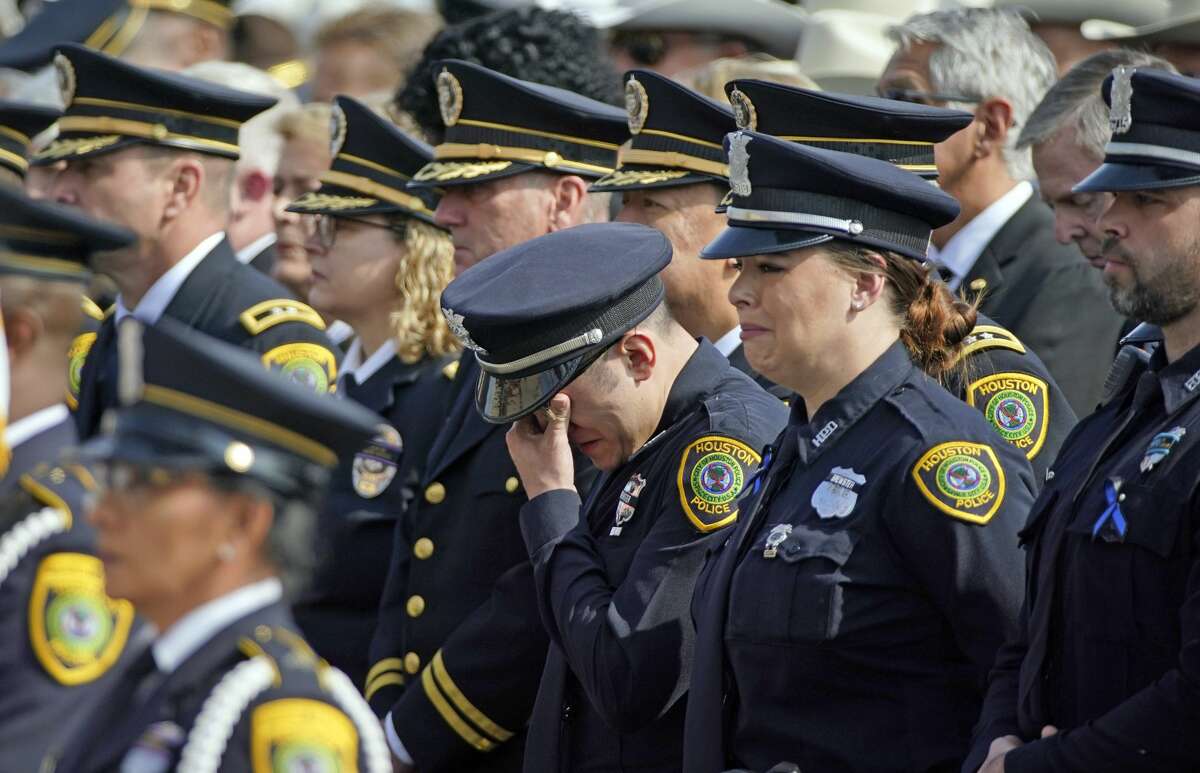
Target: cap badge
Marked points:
743	110
455	323
739	163
450	97
1120	115
66	78
637	104
337	130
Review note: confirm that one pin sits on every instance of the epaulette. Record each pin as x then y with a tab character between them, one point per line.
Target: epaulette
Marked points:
58	486
268	314
451	370
990	337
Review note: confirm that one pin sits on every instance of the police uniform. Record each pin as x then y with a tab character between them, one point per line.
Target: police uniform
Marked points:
442	667
613	577
677	137
850	620
368	494
229	686
1104	651
111	106
63	638
104	25
1003	378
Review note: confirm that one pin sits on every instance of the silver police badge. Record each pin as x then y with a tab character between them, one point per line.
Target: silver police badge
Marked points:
637	104
375	466
455	323
739	163
1120	114
743	110
836	496
779	532
628	503
450	97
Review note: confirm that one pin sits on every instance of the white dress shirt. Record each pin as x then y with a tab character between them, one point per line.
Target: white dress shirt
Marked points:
160	294
353	363
198	627
964	248
252	250
35	423
729	342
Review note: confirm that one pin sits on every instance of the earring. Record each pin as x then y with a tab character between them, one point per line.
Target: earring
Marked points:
858	305
226	552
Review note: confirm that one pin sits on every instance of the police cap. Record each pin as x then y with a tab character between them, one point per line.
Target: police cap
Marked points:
20	122
788	196
498	126
539	313
373	160
50	241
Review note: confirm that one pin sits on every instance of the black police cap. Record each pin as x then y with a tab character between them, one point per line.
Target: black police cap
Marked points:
539	313
498	126
20	122
373	160
49	241
902	133
192	402
1155	136
677	136
788	196
105	25
111	104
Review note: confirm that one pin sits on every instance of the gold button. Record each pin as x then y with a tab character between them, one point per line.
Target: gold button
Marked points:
412	662
511	485
552	159
416	605
435	494
159	131
423	548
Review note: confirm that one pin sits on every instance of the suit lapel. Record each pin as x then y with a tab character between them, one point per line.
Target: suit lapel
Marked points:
198	291
265	260
464	428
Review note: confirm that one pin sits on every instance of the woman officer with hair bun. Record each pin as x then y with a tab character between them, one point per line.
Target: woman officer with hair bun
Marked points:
849	622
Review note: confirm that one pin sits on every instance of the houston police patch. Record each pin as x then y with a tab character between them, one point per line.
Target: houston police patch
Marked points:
302	734
310	365
1017	406
76	630
963	480
712	473
75	358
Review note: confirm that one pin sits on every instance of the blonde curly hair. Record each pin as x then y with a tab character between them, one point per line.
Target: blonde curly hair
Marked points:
425	269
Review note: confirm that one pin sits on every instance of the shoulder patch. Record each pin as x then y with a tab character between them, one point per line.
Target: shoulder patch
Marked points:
964	480
310	365
1017	405
301	734
76	356
76	630
990	337
268	314
712	473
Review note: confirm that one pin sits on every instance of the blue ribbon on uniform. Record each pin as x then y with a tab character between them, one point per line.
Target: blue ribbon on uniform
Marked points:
1111	513
761	472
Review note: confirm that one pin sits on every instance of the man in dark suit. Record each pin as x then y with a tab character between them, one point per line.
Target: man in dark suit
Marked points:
155	152
1002	247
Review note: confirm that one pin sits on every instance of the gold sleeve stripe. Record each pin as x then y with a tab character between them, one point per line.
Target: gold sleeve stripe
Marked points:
465	706
383	666
384	680
473	739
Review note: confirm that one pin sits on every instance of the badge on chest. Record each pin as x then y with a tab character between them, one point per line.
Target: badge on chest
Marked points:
627	503
838	493
1160	447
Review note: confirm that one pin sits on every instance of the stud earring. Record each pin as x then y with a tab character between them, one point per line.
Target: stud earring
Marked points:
226	552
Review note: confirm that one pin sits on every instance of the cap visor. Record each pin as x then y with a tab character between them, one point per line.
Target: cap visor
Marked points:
71	147
638	179
501	400
440	174
739	241
1115	176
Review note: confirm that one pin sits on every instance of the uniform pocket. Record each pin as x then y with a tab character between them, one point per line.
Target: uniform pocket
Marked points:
818	558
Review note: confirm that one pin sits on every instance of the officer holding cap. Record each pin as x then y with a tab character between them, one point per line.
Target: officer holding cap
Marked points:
1003	379
1103	673
203	523
842	599
574	322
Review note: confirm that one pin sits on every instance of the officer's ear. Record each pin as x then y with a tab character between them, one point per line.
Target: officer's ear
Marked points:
186	180
252	519
568	201
993	119
639	354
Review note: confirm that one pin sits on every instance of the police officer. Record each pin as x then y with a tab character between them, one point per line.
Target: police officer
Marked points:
575	321
514	164
1103	673
62	635
379	264
154	152
671	177
203	523
1002	378
20	122
874	571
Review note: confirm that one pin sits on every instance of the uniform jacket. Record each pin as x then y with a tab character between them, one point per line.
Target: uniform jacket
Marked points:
45	446
231	302
265	260
286	709
1051	299
367	496
62	640
614	578
1107	648
848	622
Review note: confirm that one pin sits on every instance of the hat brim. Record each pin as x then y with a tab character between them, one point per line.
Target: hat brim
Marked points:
334	200
442	174
72	146
1117	176
642	178
738	241
501	399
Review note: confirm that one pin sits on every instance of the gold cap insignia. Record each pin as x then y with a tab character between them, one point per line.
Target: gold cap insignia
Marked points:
1120	114
66	78
743	110
637	104
337	130
739	163
450	97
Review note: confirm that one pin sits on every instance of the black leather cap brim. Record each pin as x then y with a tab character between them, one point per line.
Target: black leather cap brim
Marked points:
738	241
502	400
1114	176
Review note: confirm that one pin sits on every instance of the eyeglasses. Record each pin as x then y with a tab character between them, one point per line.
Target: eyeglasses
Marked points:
325	228
918	97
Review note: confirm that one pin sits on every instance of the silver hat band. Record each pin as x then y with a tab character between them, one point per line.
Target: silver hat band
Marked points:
590	338
851	227
1153	151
